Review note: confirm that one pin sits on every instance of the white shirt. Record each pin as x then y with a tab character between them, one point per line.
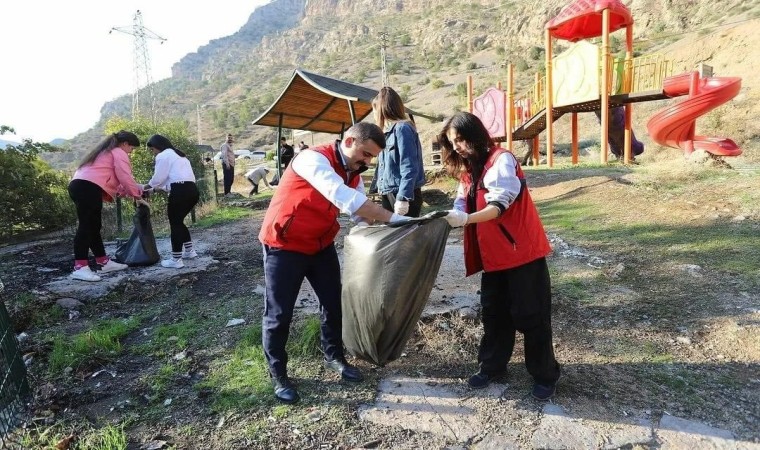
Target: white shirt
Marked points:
316	169
500	180
170	168
257	174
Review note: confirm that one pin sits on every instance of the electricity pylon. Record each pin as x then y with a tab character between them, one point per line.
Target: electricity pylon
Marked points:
141	62
383	56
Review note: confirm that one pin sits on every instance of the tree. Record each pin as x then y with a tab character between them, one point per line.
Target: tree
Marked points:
33	196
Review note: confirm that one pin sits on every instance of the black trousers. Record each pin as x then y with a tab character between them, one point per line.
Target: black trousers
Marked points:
513	300
182	199
415	206
284	272
88	199
229	175
255	189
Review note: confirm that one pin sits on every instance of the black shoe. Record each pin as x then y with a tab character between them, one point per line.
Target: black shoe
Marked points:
543	392
482	379
346	370
284	390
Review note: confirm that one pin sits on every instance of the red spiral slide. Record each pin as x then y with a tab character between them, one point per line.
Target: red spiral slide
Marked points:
674	126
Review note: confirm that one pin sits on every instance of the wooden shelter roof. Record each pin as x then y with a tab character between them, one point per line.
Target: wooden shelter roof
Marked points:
319	104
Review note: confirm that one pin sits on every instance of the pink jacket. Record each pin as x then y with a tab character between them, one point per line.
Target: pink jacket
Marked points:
112	171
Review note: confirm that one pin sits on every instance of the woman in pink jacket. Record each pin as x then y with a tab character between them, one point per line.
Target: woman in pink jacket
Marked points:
104	173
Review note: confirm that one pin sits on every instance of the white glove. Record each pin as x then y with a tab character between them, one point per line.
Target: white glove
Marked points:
457	218
397	218
401	207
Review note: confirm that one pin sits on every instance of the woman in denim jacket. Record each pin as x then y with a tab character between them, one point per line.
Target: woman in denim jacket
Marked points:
399	172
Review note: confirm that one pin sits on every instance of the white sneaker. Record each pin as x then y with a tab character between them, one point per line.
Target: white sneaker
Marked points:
189	255
84	274
173	263
112	266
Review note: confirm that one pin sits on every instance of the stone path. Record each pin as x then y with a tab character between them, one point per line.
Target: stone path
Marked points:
446	408
83	290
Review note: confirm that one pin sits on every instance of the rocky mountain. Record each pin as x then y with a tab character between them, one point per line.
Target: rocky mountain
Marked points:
432	45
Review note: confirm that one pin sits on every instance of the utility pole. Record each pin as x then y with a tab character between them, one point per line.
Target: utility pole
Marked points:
198	112
141	62
383	66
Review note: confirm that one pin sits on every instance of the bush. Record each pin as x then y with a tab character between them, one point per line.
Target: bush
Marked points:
33	196
437	83
472	66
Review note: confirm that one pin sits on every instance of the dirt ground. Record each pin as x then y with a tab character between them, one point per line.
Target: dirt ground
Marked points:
638	335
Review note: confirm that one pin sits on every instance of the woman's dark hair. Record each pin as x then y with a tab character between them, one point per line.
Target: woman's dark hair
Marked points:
161	143
109	143
472	131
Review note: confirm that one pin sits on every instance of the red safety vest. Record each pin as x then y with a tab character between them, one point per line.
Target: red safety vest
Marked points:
299	218
515	238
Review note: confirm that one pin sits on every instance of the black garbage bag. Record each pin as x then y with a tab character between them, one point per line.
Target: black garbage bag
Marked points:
388	274
140	249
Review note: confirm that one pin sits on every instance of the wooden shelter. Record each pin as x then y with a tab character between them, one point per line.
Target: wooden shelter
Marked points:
319	104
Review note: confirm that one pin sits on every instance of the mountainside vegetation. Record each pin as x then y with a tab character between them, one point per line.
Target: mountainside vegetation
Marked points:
432	46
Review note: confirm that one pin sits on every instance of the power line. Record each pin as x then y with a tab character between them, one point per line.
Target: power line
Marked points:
142	65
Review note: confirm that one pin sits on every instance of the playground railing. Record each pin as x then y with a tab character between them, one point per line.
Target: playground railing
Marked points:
649	72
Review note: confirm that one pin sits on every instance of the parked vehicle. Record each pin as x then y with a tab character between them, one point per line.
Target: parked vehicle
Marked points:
242	154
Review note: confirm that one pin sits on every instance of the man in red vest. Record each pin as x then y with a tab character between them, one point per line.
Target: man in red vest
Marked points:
298	234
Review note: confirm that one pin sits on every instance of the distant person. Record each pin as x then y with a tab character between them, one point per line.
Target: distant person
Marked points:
399	175
286	153
255	176
298	236
301	146
509	246
105	172
174	174
228	164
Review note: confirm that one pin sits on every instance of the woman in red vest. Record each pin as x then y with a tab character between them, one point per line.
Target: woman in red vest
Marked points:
503	238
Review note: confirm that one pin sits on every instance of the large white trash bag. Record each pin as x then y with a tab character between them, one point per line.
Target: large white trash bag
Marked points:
388	274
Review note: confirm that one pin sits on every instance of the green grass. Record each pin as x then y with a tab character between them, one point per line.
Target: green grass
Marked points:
722	245
159	382
569	287
110	437
223	215
241	380
100	343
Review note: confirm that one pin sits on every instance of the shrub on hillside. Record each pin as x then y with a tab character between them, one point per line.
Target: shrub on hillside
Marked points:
33	196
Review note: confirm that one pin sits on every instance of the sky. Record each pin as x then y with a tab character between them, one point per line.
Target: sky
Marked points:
60	64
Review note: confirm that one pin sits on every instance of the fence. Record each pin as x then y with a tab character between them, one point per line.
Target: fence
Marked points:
14	388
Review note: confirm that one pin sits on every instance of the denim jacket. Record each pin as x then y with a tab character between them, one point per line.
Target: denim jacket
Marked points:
399	165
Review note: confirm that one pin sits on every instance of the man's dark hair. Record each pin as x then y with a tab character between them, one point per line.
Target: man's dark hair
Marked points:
364	131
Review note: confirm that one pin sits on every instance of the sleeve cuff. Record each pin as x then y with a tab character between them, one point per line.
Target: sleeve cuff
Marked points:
498	205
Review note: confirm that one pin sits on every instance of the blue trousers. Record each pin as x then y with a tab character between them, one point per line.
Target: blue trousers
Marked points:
284	272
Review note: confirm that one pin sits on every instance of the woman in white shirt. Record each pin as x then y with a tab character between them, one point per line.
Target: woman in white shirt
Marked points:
174	174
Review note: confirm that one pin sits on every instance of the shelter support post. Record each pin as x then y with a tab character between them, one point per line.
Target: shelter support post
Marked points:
536	153
279	149
351	111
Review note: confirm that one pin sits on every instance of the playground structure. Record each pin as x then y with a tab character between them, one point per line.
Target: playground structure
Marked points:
587	78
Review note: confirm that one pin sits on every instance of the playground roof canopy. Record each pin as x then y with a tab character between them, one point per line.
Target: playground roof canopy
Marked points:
320	104
582	19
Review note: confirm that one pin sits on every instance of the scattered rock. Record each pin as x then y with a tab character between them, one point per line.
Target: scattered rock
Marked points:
69	303
235	322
